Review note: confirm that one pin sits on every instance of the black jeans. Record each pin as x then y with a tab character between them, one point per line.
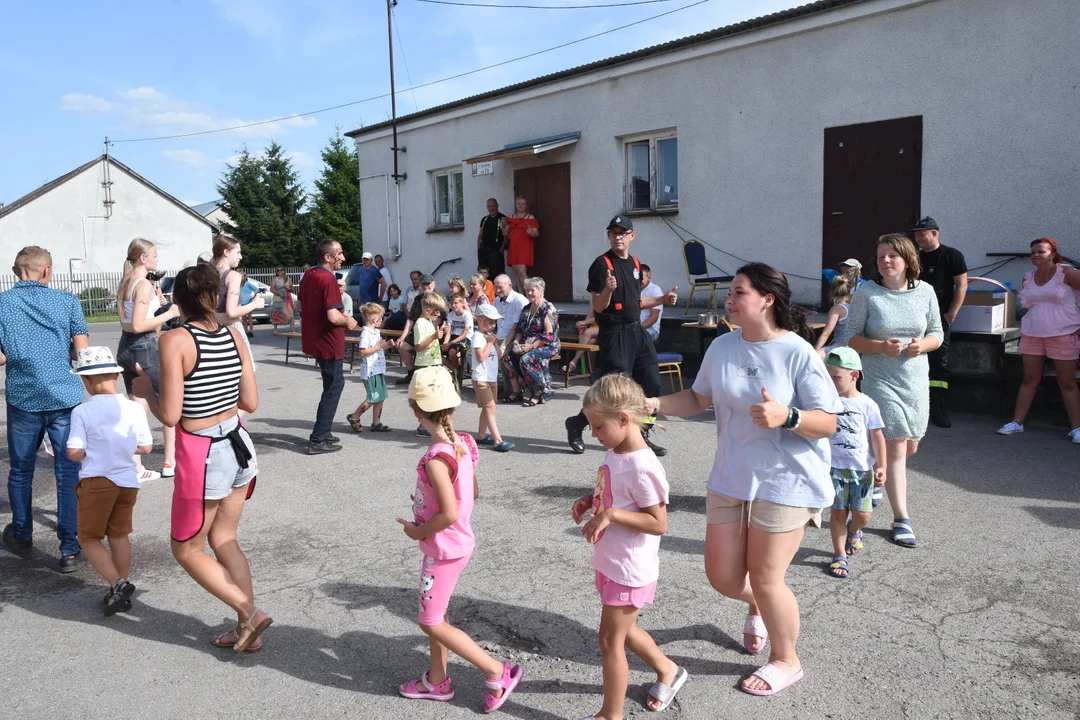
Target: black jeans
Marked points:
333	382
626	349
939	361
493	258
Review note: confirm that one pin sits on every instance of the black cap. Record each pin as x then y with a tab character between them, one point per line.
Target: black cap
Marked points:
927	223
621	221
425	279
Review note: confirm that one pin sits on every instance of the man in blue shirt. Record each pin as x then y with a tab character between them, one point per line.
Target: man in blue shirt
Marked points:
367	280
40	328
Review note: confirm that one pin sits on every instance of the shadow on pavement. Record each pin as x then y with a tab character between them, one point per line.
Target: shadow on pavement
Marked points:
1062	517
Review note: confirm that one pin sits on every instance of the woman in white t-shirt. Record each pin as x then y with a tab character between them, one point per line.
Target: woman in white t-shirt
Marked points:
775	410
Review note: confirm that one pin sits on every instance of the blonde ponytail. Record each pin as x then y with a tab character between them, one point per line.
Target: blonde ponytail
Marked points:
135	250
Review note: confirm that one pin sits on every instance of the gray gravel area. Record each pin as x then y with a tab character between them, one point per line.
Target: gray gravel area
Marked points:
981	621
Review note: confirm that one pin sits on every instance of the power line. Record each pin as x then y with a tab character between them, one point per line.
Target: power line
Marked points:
415	87
544	7
401	47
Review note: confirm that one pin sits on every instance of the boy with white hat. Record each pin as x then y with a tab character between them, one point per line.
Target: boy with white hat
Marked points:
107	430
485	375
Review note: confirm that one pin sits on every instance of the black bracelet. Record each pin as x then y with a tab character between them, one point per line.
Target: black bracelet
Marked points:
790	415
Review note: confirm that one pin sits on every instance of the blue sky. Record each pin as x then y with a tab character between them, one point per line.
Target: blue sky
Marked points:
134	69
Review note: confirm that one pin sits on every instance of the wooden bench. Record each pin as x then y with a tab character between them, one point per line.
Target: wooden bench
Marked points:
353	341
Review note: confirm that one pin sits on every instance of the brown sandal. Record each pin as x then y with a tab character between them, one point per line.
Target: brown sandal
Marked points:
256	630
355	423
228	639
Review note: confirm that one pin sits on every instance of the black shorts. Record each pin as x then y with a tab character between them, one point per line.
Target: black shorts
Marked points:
629	350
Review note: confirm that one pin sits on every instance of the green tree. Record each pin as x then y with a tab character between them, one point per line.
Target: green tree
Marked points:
244	199
263	198
285	197
335	211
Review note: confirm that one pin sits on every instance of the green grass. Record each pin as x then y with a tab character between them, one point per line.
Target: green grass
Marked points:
102	318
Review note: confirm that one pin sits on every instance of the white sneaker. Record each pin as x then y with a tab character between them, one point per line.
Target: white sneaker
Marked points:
167	470
1011	428
1075	435
147	475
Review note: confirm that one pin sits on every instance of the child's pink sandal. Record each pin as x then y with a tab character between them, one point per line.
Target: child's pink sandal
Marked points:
507	683
443	692
754	625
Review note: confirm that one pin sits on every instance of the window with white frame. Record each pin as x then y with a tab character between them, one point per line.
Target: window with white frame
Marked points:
652	173
448	197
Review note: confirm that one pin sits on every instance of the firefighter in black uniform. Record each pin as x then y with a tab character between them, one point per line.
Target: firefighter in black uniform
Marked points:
625	347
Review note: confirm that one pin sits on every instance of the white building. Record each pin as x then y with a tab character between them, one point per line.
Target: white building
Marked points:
795	139
87	217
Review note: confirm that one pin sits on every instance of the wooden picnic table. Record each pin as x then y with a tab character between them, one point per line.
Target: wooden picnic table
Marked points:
728	327
352	341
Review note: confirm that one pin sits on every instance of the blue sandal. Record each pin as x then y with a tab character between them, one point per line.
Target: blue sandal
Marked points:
902	533
854	543
838	568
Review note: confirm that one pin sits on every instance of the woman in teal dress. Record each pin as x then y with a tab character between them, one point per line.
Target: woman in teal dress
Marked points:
893	323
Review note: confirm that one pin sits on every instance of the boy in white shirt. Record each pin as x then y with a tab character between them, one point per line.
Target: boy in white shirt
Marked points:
485	376
372	368
855	470
107	431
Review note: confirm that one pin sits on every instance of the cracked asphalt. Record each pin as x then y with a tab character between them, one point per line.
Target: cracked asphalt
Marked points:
981	621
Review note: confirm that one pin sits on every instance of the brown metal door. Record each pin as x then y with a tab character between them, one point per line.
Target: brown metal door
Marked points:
873	186
547	189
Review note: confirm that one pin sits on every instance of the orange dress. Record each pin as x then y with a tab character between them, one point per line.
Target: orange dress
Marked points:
521	244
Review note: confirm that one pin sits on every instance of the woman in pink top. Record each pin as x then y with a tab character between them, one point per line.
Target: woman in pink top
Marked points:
629	514
1050	329
442	505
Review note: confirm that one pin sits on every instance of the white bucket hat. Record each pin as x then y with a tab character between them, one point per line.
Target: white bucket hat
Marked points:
96	361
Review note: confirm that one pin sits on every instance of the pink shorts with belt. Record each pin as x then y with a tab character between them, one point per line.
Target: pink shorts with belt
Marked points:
438	578
618	595
1060	347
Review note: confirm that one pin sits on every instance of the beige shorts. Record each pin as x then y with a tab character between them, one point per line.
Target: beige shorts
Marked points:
485	393
765	515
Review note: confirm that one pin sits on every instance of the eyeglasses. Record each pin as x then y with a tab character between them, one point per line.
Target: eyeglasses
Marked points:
618	234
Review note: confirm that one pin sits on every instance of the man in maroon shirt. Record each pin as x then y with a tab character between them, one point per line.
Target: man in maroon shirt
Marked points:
323	337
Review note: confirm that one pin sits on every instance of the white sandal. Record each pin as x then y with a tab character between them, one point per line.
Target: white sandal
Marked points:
666	694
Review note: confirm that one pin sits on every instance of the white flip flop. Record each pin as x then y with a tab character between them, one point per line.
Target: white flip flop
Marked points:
665	694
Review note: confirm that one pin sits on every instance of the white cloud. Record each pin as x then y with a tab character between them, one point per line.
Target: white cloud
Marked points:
80	102
191	158
302	158
257	17
158	113
144	94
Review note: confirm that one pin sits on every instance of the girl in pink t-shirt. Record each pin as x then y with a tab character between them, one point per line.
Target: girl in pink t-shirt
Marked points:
629	514
442	505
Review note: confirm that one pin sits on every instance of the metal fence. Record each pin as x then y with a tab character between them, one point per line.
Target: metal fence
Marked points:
97	291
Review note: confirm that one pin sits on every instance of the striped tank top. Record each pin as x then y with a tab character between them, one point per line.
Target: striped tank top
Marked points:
213	385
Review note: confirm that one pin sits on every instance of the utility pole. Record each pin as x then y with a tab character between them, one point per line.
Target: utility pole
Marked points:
393	96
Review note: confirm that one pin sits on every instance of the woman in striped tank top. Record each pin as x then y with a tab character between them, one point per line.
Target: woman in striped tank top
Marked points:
206	377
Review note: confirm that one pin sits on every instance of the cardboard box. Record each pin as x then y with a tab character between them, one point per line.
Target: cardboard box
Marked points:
986	311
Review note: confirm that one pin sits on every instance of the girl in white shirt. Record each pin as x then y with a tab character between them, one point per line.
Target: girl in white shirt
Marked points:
775	410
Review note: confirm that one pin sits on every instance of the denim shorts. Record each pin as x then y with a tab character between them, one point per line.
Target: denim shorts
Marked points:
141	348
223	471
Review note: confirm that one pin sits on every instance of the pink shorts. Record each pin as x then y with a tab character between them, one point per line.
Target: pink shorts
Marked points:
1060	347
438	578
614	594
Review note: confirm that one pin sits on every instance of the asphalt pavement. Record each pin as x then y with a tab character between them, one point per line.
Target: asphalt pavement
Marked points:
982	620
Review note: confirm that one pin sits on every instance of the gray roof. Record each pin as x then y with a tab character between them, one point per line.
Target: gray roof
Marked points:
53	184
206	208
723	32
